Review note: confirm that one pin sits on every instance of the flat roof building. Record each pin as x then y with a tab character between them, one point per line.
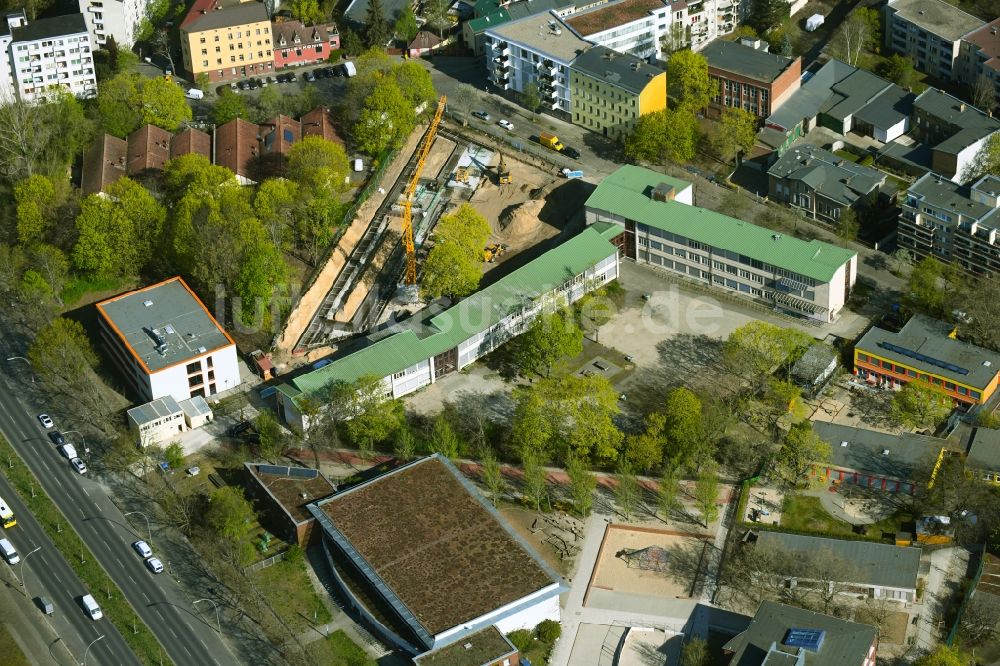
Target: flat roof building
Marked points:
426	560
924	350
284	493
750	78
810	279
488	647
780	634
610	91
166	342
979	55
954	130
928	32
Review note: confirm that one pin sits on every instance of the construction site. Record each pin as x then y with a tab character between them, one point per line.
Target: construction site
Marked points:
372	275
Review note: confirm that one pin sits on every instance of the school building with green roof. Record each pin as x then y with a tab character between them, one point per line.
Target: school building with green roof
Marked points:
430	346
659	226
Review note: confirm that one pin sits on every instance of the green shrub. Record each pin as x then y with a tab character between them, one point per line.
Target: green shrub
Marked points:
521	638
548	631
867	160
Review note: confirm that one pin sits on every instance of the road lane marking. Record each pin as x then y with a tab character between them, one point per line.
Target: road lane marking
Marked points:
146	596
85	492
132	579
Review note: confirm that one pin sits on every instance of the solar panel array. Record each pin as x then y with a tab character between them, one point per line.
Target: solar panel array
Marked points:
807	639
272	469
921	357
297	472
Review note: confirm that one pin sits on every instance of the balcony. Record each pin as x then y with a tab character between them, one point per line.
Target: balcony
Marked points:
501	60
502	84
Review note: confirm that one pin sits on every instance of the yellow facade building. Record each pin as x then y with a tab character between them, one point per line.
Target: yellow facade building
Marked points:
226	40
610	91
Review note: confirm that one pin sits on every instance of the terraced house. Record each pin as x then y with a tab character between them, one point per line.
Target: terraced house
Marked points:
226	39
657	225
609	91
923	350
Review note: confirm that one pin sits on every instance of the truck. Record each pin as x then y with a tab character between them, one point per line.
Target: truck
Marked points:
550	140
571	173
349	69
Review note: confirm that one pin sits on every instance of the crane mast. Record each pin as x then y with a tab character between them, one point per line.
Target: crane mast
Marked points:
411	187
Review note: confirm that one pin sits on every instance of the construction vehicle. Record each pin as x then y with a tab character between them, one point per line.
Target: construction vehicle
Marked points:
462	174
550	140
503	173
411	187
491	252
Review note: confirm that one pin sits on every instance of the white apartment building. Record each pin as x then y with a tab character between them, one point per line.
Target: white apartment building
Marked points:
114	18
537	49
166	343
45	56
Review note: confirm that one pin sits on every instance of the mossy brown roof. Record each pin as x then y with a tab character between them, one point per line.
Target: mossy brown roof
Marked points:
612	16
435	544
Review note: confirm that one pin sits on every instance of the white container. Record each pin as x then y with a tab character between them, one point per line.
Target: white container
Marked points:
814	21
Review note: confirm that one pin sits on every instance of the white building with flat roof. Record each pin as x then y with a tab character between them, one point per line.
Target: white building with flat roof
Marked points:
166	343
46	56
120	19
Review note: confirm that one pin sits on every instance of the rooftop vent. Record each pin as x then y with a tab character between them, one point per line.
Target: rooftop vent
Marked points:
663	192
843	443
468	646
202	350
304	495
775	237
987	363
148	303
885	452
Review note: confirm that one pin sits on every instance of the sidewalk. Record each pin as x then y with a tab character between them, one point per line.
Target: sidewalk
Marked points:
29	629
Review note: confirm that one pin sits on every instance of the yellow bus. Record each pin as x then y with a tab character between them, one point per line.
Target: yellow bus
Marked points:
6	515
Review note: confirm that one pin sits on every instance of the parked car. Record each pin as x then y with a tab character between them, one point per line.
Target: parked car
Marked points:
482	115
292	78
239	428
309	76
46	421
194	93
571	152
506	124
57	438
270	79
79	465
141	547
262	81
233	87
243	85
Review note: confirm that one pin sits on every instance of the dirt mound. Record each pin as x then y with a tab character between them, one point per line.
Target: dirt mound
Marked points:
520	220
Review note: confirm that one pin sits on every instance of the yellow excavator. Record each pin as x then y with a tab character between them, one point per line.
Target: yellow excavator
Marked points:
503	173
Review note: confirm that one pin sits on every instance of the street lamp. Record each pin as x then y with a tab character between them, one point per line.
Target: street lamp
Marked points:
149	531
82	438
84	662
23	560
218	624
21	358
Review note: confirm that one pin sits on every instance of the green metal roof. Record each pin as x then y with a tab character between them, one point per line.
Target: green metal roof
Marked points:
626	192
492	20
473	315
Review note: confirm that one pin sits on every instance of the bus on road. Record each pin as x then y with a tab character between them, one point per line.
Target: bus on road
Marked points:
6	515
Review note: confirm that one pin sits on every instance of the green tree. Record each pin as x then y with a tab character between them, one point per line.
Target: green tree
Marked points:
229	513
848	225
377	28
986	161
521	639
767	14
919	405
194	175
930	286
548	631
405	444
664	136
678	37
738	130
582	484
535	482
531	99
944	656
756	349
800	450
551	338
318	165
443	439
667	500
61	355
406	25
436	13
229	107
627	491
695	653
51	264
129	101
682	428
278	205
492	476
857	34
644	450
899	70
449	271
42	138
580	413
36	202
533	427
203	82
786	46
351	42
687	80
983	93
308	11
415	82
174	455
272	441
706	494
386	118
372	418
118	232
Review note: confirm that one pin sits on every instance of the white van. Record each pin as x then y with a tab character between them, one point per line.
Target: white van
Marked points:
89	605
194	93
349	69
68	450
9	554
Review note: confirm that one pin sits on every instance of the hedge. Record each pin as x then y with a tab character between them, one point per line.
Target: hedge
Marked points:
117	609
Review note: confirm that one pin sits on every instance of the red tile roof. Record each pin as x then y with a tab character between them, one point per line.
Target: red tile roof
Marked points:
987	38
284	33
278	134
191	141
103	163
236	144
317	123
148	148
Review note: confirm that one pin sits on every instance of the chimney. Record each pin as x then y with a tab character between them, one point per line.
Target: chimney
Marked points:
961	107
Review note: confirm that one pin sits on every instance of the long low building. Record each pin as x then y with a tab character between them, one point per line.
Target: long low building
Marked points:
433	346
427	562
658	226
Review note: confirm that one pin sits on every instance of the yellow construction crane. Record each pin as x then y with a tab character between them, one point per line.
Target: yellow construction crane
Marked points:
411	187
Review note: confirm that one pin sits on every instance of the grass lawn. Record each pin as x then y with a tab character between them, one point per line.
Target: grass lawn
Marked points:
10	652
292	595
847	155
805	513
79	287
340	650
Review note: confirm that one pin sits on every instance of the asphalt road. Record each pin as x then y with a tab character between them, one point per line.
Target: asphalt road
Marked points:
187	634
47	573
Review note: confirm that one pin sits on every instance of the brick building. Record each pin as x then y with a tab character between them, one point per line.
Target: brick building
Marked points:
298	44
748	77
282	493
